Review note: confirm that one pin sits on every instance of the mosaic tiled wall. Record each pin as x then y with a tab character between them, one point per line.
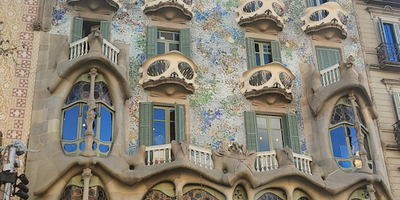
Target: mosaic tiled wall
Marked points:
17	72
217	106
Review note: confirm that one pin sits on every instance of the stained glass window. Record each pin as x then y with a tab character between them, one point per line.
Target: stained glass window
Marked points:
74	115
73	192
269	196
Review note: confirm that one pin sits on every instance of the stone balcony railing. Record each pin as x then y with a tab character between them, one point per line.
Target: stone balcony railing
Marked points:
169	9
171	72
273	78
81	47
330	75
264	15
388	55
265	161
328	19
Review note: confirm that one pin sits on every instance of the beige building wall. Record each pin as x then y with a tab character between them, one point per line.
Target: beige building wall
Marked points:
382	82
18	71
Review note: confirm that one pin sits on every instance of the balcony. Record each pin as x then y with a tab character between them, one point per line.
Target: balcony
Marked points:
388	56
268	84
265	161
396	132
169	10
326	21
171	74
81	47
261	15
330	75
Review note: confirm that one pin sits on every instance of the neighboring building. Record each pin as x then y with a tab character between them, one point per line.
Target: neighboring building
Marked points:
379	29
213	99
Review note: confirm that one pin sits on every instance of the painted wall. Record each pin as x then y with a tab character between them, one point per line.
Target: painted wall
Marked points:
217	106
18	71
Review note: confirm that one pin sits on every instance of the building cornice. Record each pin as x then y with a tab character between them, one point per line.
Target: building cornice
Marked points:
387	10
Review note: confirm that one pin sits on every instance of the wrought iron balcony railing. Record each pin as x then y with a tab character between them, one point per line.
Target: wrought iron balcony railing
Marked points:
396	131
326	15
388	53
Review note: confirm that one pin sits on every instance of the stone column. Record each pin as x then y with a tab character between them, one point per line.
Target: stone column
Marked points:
360	137
87	174
90	116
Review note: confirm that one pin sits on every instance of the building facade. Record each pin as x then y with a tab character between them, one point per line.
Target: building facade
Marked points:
213	99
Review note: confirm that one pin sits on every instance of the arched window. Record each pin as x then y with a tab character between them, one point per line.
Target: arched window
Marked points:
270	194
74	189
344	142
73	125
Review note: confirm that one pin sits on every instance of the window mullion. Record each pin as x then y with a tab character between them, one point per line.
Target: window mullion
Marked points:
269	128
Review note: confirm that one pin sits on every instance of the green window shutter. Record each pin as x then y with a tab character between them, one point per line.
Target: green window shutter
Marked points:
77	31
146	123
179	122
185	42
276	51
250	121
381	30
397	32
396	99
151	41
291	132
105	29
327	57
251	53
310	3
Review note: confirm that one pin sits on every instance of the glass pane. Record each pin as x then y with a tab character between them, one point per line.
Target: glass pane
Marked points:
83	128
160	48
105	124
173	47
258	59
176	35
276	123
263	140
277	139
339	145
261	122
70	123
266	58
257	47
172	115
70	147
345	164
82	146
167	36
159	133
172	131
159	114
103	148
94	146
355	148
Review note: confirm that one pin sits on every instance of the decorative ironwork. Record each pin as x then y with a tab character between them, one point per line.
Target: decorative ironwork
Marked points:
396	131
158	67
388	52
186	70
260	78
285	79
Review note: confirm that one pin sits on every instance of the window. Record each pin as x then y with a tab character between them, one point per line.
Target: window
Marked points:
344	142
262	53
162	41
160	124
327	57
390	37
266	132
82	28
396	100
74	189
311	3
73	125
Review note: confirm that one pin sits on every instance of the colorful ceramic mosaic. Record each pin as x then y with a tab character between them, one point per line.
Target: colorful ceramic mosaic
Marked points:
217	105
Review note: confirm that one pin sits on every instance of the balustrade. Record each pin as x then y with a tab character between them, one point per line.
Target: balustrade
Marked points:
158	154
81	47
330	75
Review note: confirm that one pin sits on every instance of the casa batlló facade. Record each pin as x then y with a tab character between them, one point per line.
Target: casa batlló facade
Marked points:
204	99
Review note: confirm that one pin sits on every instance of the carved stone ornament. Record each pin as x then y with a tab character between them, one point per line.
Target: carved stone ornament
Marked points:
284	157
236	158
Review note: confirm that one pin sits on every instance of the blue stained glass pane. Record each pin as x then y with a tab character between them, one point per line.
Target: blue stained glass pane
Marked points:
105	124
159	114
353	142
70	147
160	48
339	145
70	123
94	146
83	121
258	59
159	133
82	146
103	148
345	164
